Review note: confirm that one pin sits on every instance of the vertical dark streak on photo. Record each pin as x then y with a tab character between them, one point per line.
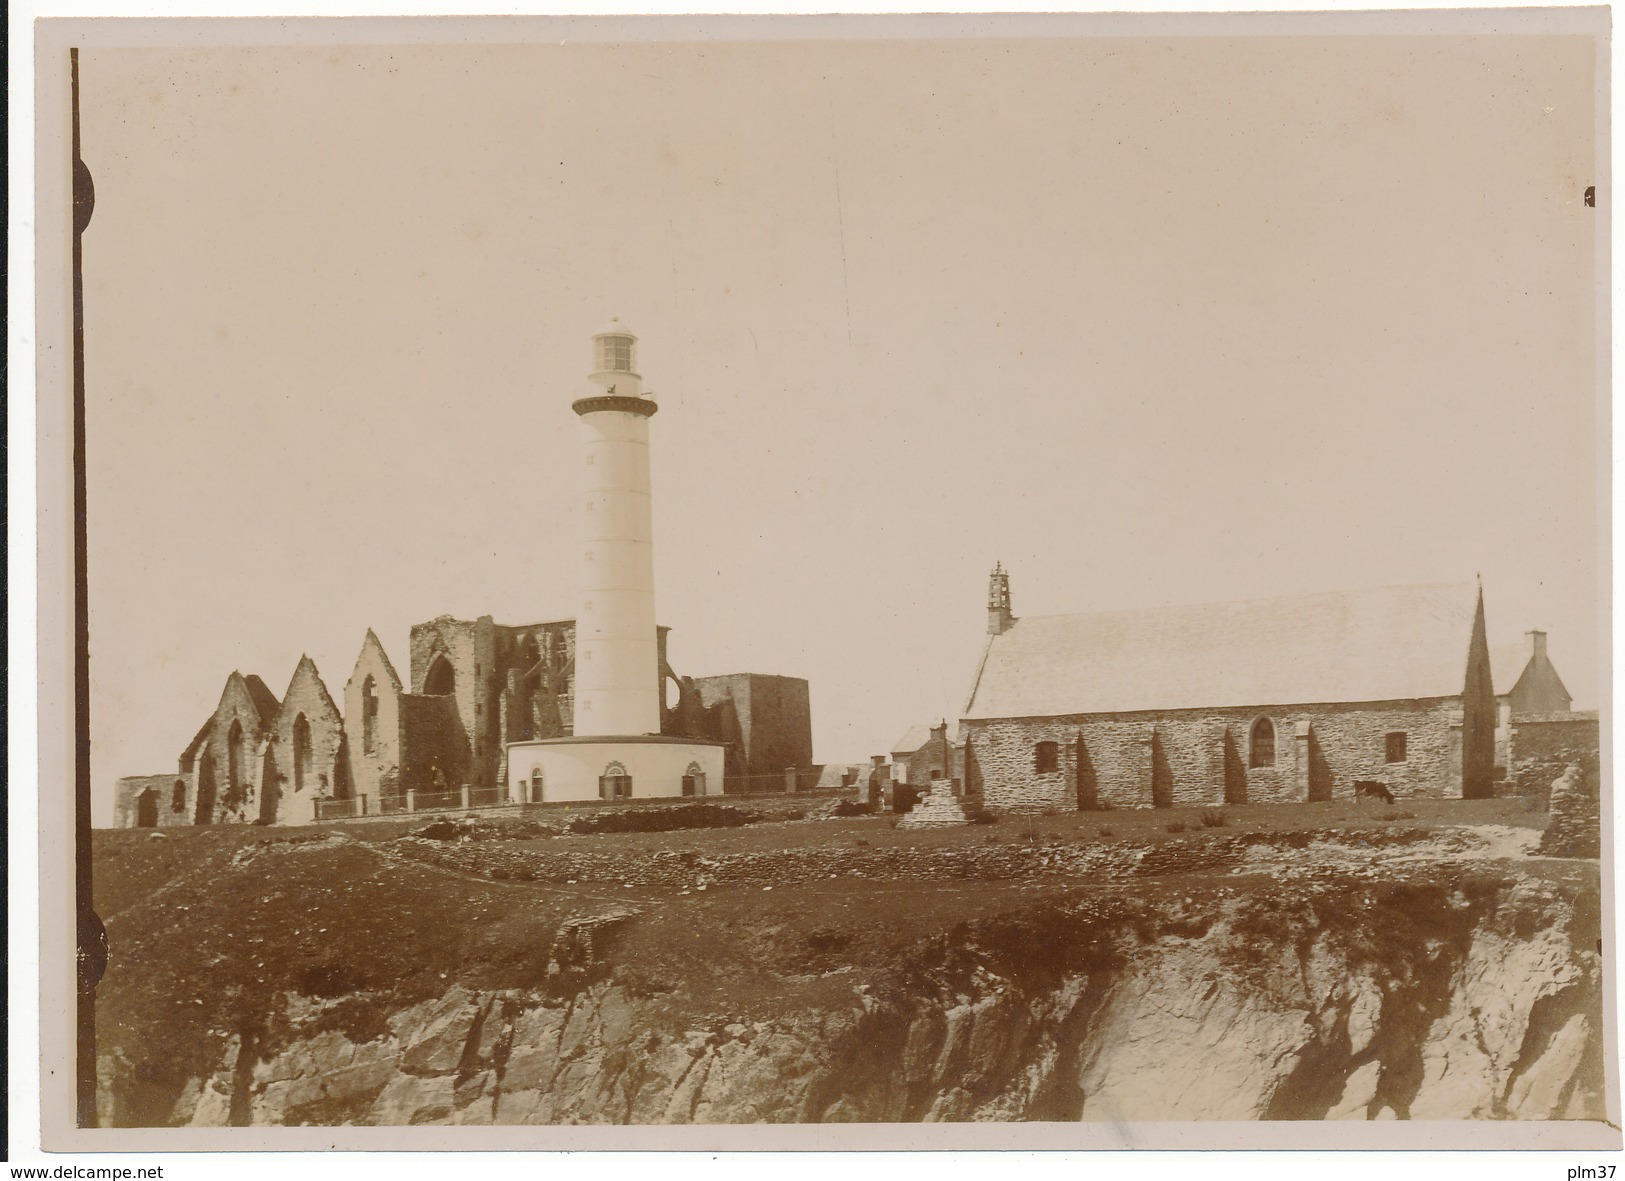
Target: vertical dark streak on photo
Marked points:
89	934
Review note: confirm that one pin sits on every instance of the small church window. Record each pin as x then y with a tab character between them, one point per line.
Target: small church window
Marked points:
1261	744
536	785
1046	757
1395	743
177	800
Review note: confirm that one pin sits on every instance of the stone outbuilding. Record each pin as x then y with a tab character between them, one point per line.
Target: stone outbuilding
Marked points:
151	801
1526	686
1259	701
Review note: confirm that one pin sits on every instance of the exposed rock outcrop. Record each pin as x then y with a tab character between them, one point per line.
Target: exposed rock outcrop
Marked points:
1440	999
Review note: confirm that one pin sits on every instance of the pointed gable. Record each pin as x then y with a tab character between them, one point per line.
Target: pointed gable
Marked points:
306	692
248	695
1387	644
373	660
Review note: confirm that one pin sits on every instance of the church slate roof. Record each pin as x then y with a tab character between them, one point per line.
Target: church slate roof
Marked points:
265	702
1388	644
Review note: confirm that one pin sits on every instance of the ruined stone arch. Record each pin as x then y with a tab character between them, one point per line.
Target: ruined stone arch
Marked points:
369	714
302	759
270	788
441	679
234	764
177	797
146	809
205	787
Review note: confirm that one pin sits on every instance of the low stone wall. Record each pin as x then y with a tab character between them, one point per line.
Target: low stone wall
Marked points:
691	870
1542	747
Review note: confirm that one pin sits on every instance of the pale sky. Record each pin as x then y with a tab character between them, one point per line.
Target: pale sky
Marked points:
1149	320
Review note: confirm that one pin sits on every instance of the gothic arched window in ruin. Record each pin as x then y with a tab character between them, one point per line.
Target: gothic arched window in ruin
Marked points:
234	763
1046	757
301	752
205	787
1261	744
177	798
146	809
369	715
441	679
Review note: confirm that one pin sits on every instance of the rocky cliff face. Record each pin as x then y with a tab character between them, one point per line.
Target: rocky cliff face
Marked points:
1444	995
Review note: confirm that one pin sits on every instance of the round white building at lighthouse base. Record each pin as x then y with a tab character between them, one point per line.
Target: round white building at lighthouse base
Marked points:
629	767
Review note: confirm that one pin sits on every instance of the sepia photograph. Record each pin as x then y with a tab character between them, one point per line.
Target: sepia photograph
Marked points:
773	572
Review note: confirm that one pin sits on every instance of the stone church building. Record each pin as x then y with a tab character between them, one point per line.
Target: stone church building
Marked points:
1261	701
475	686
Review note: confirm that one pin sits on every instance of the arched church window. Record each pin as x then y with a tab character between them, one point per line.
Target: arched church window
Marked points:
177	798
369	715
234	761
536	785
301	752
1261	744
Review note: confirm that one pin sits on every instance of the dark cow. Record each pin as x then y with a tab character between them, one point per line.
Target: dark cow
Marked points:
1368	789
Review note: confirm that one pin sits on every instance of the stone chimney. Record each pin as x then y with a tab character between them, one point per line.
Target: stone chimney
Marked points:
1537	644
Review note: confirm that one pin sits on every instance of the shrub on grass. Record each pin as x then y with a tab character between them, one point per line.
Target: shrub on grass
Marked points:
1177	826
1213	818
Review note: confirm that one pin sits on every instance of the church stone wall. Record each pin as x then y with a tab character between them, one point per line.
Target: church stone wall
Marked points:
325	772
239	804
471	649
1179	758
375	772
433	740
767	720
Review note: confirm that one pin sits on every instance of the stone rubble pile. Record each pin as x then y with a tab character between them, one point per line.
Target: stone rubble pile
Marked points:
1574	827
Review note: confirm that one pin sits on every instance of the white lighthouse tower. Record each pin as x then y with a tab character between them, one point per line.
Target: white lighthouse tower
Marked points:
617	686
616	750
